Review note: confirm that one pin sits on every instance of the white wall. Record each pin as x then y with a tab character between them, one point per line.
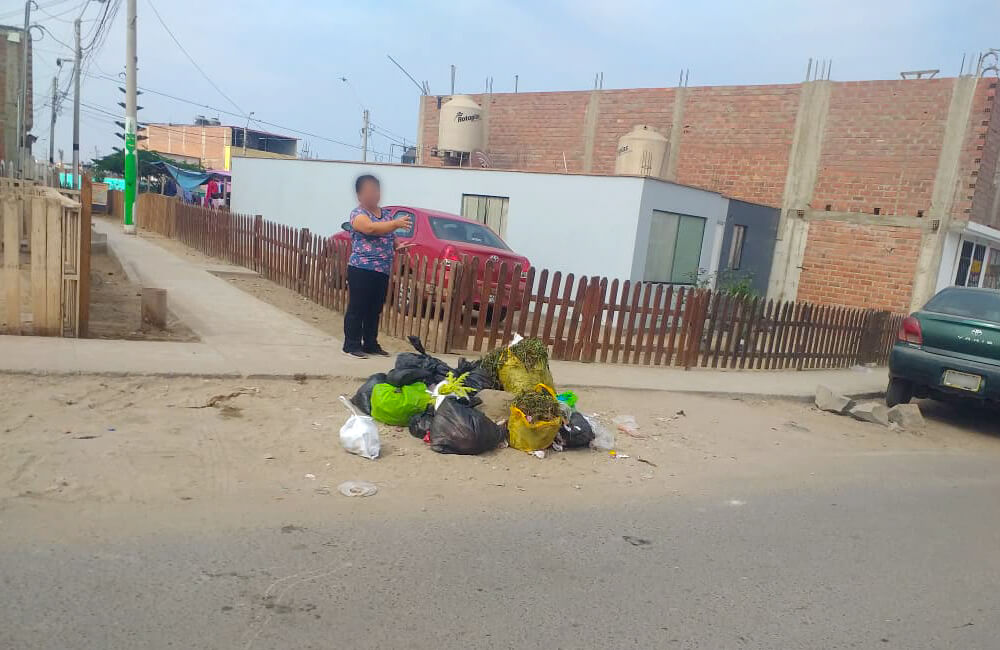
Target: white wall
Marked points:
570	223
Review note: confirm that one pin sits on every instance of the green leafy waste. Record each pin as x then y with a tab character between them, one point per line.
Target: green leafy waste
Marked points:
530	352
538	405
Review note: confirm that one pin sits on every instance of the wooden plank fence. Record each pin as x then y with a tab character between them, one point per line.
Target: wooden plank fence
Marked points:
471	307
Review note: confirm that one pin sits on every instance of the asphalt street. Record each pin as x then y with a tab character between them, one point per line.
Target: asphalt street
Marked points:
879	550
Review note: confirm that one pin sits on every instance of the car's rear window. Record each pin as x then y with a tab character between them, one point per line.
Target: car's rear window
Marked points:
465	232
967	303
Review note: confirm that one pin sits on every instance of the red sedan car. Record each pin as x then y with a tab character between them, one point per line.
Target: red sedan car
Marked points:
450	237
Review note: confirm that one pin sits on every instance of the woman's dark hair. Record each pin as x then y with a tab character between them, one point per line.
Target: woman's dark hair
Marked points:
365	178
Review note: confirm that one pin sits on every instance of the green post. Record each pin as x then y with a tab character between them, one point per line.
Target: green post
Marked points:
130	176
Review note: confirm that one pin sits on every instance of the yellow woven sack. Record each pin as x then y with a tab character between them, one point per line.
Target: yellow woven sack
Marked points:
516	378
532	436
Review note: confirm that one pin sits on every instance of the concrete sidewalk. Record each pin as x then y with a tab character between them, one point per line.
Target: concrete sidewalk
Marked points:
244	337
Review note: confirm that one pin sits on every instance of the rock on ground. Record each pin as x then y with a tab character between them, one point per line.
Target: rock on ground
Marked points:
827	400
907	416
871	412
496	403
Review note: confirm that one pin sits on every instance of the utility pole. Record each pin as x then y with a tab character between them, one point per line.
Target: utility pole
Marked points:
131	117
76	108
245	134
52	123
22	103
364	136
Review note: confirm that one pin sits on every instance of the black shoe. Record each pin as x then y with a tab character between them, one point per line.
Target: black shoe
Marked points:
378	352
357	354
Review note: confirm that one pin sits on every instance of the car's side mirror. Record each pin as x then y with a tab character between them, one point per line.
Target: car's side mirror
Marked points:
346	226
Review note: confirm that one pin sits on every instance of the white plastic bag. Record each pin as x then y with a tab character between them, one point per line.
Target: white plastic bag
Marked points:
359	435
604	438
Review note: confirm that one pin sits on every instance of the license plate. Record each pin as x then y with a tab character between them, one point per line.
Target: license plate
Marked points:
962	380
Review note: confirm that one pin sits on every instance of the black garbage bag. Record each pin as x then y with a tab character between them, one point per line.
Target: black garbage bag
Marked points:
420	424
459	429
478	378
400	377
363	398
432	369
575	433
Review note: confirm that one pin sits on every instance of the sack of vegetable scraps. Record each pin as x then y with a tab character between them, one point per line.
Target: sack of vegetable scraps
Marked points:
520	366
534	419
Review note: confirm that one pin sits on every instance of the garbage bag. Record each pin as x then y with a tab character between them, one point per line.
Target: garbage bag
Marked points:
604	438
576	432
459	429
531	436
477	379
516	378
405	376
363	398
420	424
359	435
435	369
394	405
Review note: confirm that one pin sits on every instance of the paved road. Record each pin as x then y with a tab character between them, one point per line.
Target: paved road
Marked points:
884	550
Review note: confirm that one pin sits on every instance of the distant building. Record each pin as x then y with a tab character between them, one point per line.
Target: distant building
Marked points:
215	144
11	43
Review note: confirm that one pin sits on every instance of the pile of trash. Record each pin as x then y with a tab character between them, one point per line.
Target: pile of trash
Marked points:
506	398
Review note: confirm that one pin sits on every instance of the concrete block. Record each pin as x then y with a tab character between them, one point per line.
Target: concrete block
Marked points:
496	404
154	307
874	412
98	243
908	416
827	400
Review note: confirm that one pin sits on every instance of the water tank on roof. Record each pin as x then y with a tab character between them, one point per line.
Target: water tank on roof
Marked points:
461	127
641	152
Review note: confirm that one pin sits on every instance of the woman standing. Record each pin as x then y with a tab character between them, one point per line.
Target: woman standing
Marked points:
373	244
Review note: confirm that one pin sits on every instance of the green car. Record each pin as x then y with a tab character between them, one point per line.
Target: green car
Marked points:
948	349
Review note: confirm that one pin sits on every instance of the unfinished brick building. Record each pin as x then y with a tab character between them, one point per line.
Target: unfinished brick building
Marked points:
877	180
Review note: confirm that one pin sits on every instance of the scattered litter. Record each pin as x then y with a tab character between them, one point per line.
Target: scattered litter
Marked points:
681	413
622	456
556	446
299	377
636	541
577	486
357	488
604	438
538	453
645	460
85	437
311	477
268	457
736	502
218	399
111	428
627	425
359	435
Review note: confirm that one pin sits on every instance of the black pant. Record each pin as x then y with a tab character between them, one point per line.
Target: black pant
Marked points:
367	291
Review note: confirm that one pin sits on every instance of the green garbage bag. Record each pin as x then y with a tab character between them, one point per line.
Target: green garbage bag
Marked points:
396	406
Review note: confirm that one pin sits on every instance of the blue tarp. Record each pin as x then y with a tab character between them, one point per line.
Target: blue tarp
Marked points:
187	180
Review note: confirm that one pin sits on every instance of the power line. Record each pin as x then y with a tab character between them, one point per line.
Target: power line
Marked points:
193	62
225	112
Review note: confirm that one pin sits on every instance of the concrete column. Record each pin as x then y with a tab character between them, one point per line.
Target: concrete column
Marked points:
676	130
800	181
947	183
420	130
590	131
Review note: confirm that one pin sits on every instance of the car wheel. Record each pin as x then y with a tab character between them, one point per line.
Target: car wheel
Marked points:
900	391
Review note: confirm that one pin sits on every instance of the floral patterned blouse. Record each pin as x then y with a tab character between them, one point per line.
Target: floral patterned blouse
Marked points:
372	252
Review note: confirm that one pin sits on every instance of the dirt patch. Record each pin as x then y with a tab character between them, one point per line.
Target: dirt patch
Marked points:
102	439
116	307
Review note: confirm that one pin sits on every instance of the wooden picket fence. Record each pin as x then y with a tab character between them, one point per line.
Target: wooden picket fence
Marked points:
467	307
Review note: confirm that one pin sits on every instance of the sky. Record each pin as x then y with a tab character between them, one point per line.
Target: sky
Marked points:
284	60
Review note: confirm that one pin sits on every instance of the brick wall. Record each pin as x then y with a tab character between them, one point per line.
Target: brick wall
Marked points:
880	144
859	265
736	140
207	143
987	151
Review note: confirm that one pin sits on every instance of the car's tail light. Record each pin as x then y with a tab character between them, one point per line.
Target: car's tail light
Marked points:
450	256
910	332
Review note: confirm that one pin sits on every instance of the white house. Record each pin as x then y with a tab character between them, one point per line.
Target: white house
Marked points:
614	226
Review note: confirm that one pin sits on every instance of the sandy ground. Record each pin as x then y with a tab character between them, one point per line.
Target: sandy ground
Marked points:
93	439
116	307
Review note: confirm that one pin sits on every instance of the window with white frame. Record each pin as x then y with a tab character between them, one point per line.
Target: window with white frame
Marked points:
978	265
736	247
